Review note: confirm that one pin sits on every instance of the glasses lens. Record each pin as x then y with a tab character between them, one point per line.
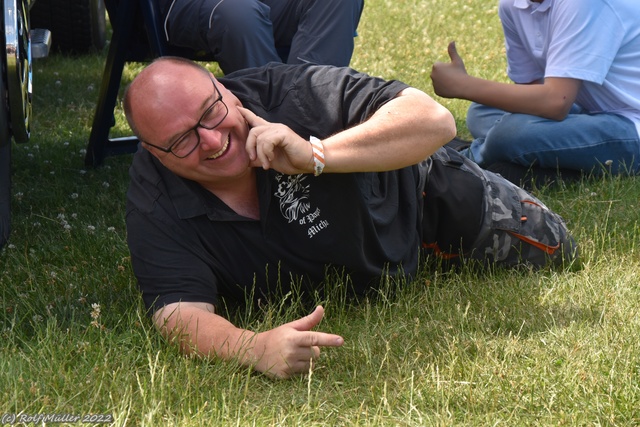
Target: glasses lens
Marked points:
185	145
214	115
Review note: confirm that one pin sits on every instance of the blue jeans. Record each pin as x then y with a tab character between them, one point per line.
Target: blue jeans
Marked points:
592	143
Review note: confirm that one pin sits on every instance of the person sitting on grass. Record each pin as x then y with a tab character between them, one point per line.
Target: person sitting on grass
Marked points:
277	176
575	107
251	33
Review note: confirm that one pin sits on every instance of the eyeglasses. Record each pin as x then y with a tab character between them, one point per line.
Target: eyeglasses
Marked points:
186	143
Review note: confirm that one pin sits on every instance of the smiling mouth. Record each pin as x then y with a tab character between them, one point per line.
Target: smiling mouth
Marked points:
222	150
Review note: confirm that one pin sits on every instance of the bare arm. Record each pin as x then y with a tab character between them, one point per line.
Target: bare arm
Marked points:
280	352
550	99
403	132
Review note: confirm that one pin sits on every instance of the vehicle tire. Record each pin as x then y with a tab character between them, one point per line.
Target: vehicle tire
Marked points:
5	193
5	166
15	70
77	26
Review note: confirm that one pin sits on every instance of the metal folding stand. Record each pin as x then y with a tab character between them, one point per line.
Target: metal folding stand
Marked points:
138	36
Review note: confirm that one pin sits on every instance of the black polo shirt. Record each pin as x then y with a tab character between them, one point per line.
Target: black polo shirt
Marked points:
187	245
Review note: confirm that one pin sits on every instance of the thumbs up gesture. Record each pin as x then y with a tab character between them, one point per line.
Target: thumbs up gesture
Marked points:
449	78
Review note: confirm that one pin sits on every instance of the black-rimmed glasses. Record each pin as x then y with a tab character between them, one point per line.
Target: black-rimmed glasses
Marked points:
186	143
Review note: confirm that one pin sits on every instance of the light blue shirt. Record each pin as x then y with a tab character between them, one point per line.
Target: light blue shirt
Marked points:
596	41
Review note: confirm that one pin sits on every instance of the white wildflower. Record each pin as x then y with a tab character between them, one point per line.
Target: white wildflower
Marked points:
95	310
95	315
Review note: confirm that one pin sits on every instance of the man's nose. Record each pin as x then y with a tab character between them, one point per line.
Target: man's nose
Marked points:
210	139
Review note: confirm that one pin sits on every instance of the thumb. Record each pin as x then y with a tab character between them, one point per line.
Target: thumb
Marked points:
453	53
310	321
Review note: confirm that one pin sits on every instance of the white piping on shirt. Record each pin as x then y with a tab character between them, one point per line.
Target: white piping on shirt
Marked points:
213	10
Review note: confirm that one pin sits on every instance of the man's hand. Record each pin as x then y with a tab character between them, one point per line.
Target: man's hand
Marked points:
448	77
291	348
280	352
274	145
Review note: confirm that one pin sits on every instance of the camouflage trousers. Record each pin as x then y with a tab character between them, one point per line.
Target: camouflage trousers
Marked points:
473	214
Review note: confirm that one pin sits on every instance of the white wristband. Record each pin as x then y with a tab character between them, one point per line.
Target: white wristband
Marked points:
318	155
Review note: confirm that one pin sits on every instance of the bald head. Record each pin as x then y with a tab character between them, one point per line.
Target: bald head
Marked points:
154	87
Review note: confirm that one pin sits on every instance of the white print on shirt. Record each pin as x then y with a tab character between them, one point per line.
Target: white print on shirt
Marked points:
293	194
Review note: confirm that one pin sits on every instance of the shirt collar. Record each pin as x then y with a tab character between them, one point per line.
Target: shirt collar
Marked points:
527	4
190	199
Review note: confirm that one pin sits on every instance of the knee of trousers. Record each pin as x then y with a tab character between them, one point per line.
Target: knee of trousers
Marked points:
508	139
244	15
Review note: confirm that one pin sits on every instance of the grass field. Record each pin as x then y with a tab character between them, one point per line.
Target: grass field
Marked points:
513	348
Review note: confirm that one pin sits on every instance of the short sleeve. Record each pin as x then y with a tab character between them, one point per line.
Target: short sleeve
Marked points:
578	46
311	99
166	263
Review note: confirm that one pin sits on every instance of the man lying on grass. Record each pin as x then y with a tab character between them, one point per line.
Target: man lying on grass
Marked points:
291	171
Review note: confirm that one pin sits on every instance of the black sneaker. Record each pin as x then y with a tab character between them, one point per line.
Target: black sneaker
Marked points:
528	176
458	144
